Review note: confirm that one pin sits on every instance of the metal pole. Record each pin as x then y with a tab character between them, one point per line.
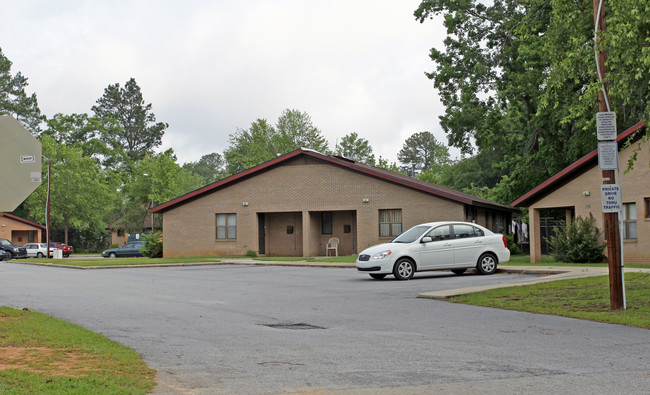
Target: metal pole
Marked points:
47	206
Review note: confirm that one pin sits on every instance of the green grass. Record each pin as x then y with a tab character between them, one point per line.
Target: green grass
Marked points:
123	261
585	298
524	260
42	354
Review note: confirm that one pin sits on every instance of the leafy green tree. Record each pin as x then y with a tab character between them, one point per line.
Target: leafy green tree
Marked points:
356	148
521	76
153	180
211	167
251	147
295	130
423	152
81	194
14	100
263	142
129	125
80	130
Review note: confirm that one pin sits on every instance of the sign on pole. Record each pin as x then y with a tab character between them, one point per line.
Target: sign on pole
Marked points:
606	125
20	161
610	197
608	155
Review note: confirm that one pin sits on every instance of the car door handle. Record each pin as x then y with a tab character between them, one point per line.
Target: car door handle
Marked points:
478	242
447	244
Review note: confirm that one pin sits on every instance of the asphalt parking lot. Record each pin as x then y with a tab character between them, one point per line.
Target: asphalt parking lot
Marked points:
242	329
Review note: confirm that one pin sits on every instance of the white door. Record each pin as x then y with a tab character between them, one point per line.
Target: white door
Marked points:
438	252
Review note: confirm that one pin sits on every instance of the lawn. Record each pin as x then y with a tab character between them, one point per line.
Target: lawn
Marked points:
122	261
585	298
42	354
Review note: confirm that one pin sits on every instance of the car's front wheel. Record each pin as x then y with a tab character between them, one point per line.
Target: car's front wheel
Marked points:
377	276
112	255
39	255
404	269
487	264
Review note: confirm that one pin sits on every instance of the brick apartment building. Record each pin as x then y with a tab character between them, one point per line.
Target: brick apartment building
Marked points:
19	230
576	191
293	204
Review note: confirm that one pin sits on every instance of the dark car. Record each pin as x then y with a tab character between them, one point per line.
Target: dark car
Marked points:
132	248
4	255
67	250
13	250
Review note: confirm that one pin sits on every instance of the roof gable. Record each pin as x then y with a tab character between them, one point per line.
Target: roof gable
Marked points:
371	171
570	172
22	220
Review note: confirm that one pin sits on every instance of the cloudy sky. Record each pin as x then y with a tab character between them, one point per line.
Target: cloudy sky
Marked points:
210	67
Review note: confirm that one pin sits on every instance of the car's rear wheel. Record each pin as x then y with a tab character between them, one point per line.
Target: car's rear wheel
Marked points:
377	276
66	255
487	264
112	255
404	269
39	255
458	271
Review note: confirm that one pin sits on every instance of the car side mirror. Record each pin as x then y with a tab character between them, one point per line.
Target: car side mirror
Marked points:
426	239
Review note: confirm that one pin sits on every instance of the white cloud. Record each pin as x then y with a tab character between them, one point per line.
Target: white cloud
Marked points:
210	67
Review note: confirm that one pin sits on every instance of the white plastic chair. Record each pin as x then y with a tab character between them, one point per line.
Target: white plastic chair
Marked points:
332	244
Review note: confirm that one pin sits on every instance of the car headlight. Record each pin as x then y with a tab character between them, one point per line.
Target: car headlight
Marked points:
382	255
16	249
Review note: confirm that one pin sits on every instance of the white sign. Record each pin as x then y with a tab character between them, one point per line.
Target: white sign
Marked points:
610	196
27	159
606	125
608	155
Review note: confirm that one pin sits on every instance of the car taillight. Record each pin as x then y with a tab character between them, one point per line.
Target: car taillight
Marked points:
505	242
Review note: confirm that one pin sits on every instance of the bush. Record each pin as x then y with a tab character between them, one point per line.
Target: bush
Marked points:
577	242
512	246
153	245
251	253
114	245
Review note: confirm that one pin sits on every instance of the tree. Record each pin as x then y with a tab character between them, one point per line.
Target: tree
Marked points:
211	167
80	130
155	179
295	130
355	148
263	142
423	152
129	125
81	194
14	100
521	76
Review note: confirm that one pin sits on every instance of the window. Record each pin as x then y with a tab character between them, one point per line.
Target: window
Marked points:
629	220
464	231
440	233
30	236
326	223
226	226
647	207
390	223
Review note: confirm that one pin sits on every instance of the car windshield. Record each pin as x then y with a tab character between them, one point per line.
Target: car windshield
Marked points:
411	235
5	242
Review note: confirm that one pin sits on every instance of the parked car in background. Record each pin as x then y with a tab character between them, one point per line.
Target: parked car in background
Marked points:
130	249
67	250
455	246
13	250
36	250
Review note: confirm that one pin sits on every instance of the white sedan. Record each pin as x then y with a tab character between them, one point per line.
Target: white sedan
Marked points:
455	246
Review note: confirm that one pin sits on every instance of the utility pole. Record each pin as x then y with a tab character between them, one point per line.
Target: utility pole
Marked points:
609	177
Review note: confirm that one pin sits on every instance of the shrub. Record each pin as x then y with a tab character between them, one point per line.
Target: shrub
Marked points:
153	245
114	245
577	242
251	253
512	246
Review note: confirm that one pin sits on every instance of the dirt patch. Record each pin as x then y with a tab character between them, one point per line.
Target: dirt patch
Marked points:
44	360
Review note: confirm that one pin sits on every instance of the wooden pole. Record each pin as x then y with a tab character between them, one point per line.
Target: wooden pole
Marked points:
609	177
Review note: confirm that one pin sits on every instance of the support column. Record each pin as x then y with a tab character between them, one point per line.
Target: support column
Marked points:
534	232
307	248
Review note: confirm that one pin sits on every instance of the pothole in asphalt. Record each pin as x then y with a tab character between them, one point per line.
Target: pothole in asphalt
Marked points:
298	326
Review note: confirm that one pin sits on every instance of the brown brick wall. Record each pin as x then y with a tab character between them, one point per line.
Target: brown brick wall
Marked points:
583	195
307	187
18	232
